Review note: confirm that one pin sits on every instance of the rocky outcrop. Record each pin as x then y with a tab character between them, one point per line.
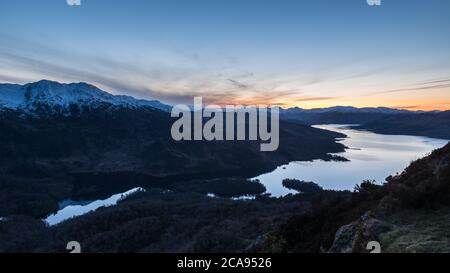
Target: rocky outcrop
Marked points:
355	237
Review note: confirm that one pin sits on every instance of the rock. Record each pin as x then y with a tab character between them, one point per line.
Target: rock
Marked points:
355	236
345	239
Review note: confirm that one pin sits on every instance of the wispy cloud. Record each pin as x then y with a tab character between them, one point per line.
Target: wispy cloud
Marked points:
238	84
427	107
191	75
170	85
436	81
421	86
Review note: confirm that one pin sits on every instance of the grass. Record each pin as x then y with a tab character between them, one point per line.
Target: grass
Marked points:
418	231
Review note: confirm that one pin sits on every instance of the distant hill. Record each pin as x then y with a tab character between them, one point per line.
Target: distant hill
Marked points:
105	139
380	120
431	124
117	147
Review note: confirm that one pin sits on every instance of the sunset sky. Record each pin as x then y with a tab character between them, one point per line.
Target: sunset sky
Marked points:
305	53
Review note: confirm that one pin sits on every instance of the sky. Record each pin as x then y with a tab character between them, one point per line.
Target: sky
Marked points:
292	53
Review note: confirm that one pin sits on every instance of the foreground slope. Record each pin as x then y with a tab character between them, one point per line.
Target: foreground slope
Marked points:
410	213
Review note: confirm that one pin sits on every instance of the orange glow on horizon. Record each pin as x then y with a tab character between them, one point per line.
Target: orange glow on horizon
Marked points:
419	106
414	99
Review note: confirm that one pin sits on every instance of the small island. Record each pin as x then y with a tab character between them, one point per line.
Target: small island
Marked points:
301	186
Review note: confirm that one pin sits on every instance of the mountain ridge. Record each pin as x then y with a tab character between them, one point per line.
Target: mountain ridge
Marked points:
350	109
17	96
61	96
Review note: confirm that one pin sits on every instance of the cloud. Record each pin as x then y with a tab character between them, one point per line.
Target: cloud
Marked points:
12	79
425	85
411	89
437	81
316	98
238	84
172	86
426	107
261	97
219	79
43	69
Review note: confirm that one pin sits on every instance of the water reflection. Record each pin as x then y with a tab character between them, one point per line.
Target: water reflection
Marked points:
372	157
69	209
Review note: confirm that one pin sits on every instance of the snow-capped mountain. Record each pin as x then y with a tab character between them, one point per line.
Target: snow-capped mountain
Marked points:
57	95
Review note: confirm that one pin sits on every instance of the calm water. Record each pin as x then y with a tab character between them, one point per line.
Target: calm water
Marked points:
70	209
372	156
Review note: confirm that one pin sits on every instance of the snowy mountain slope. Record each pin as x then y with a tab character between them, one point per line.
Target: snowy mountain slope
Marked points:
52	94
11	95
